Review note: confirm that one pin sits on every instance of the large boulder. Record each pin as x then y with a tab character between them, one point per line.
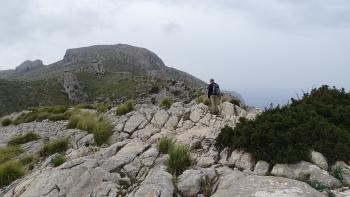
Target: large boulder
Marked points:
238	184
318	159
342	170
241	160
305	171
261	168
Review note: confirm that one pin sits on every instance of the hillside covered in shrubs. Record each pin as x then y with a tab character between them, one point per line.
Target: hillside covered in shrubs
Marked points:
319	121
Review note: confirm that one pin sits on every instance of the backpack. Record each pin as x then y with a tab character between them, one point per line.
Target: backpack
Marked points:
216	89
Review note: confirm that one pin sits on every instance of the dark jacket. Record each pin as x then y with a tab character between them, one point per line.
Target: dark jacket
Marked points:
210	90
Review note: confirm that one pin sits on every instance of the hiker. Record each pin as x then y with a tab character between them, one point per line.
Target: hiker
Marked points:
213	95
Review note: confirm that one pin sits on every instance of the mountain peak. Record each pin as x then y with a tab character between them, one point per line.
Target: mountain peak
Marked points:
29	65
119	54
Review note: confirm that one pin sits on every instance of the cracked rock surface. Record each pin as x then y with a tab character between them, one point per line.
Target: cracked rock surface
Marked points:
130	165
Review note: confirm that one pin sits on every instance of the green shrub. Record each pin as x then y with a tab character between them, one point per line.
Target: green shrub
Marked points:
235	102
125	108
317	186
9	172
320	121
165	144
102	107
94	124
338	173
56	146
22	139
84	106
58	159
166	103
8	153
41	113
203	99
179	159
5	122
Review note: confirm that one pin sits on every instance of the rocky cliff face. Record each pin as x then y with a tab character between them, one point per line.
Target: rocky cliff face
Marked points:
131	164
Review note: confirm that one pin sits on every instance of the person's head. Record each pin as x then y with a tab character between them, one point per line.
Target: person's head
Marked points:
211	81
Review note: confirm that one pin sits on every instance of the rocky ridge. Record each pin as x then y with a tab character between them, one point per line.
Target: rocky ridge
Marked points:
132	166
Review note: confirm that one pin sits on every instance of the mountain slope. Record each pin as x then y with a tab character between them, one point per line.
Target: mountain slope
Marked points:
100	73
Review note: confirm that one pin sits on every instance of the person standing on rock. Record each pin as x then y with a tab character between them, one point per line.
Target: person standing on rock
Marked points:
213	95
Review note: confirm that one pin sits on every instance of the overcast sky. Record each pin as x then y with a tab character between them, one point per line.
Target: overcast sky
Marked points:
267	50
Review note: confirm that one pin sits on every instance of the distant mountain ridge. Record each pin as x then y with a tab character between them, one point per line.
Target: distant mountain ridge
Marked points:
99	73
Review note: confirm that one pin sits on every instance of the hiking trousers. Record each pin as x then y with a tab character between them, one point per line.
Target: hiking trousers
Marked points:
214	102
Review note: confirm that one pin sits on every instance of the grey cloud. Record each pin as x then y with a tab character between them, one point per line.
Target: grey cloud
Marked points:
171	28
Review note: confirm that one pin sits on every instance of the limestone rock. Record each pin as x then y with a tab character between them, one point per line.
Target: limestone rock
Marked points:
136	121
318	159
238	184
241	160
157	183
191	182
304	171
160	118
343	171
261	168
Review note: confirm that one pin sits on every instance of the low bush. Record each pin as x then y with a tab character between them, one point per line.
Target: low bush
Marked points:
125	108
203	99
317	186
55	146
58	159
41	113
9	172
84	106
22	139
94	124
319	121
102	107
165	144
5	122
179	160
9	153
166	103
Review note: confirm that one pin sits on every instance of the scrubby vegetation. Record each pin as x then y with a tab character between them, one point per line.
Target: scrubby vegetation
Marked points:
319	121
55	146
165	144
53	113
92	123
317	186
166	103
125	108
22	139
179	159
10	171
5	122
203	99
337	172
58	159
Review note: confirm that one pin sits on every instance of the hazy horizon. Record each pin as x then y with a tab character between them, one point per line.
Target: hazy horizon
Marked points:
267	51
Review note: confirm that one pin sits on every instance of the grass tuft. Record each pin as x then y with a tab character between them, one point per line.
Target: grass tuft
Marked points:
94	124
5	122
58	159
52	113
203	99
84	106
165	145
125	108
9	172
8	153
22	139
102	107
55	146
179	160
338	172
166	103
